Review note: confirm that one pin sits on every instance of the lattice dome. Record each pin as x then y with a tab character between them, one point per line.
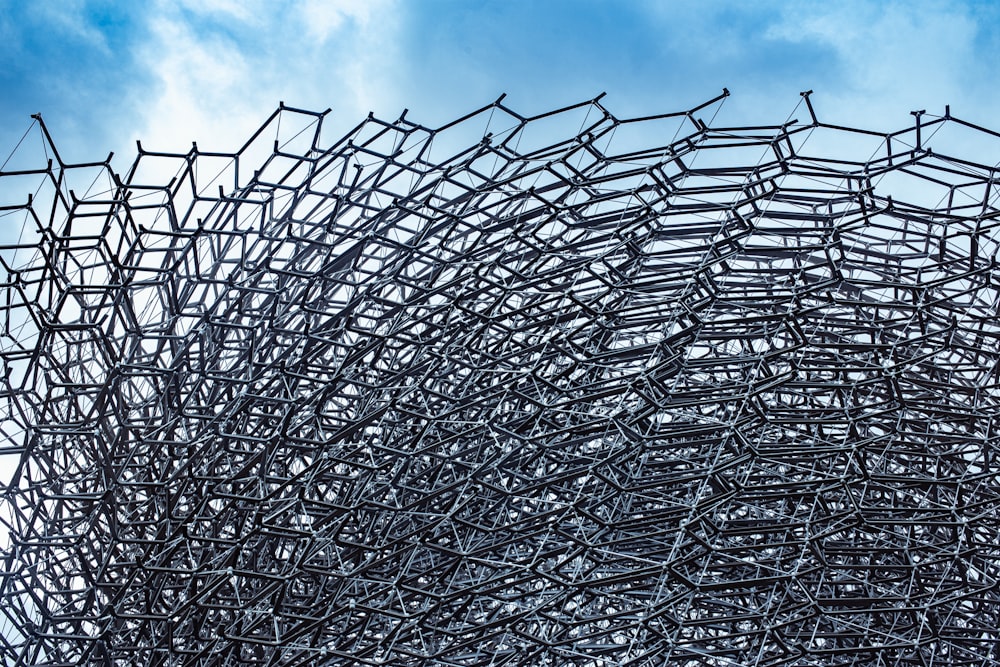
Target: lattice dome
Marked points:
559	390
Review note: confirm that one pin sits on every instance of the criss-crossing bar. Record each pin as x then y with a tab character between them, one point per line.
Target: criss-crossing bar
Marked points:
560	390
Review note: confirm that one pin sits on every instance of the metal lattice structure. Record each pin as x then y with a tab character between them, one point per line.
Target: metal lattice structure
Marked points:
561	390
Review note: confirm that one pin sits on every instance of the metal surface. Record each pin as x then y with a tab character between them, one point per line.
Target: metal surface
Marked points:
566	390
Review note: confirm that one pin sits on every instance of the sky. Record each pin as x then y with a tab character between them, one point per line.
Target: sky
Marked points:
104	74
107	73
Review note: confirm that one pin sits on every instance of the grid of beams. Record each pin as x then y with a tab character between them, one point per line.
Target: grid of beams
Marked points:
561	390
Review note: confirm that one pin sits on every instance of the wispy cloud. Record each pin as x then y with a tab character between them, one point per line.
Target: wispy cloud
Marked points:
204	87
894	57
168	73
221	67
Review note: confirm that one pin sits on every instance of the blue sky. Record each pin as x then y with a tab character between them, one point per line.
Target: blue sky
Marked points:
104	73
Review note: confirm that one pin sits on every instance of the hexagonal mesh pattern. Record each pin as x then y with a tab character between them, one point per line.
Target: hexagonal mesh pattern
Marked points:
561	390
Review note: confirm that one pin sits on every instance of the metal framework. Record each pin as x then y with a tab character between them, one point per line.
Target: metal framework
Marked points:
560	390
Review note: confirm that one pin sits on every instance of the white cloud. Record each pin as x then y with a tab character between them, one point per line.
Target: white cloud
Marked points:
240	10
893	57
205	90
322	18
216	86
71	18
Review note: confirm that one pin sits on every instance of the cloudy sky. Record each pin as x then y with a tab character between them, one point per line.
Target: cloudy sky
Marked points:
104	74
